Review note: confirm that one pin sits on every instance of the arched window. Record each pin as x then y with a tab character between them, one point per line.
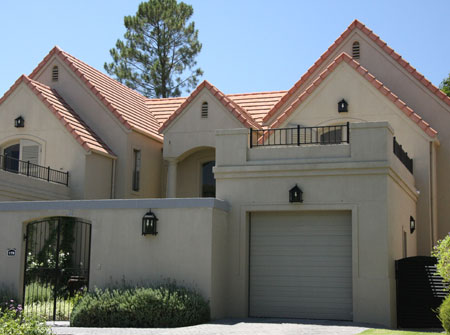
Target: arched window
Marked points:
204	110
355	50
331	136
208	180
21	151
55	73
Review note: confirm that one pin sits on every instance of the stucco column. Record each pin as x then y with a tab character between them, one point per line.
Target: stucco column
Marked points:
171	189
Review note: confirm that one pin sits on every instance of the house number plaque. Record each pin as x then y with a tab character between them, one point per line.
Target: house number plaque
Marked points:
11	252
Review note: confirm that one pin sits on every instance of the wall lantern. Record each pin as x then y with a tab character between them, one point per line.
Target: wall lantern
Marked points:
412	224
295	194
149	223
19	122
342	106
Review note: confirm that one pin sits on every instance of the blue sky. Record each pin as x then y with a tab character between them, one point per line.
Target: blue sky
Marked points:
248	45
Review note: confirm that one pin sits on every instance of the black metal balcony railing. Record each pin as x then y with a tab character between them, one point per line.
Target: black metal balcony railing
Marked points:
15	165
403	156
300	136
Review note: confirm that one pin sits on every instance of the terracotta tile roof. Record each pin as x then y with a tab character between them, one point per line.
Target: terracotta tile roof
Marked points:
229	104
343	57
257	104
383	45
162	109
65	114
126	104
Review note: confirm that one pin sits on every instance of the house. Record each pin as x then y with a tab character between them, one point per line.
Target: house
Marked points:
312	193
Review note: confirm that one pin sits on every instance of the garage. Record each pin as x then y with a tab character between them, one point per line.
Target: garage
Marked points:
301	265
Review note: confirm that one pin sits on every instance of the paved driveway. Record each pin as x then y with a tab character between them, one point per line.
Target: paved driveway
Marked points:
232	327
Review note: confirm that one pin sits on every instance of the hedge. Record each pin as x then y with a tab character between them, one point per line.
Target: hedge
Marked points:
166	305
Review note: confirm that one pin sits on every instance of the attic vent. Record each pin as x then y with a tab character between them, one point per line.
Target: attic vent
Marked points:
204	110
55	73
355	51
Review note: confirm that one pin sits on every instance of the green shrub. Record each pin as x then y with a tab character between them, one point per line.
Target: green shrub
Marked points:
442	252
444	314
167	305
11	324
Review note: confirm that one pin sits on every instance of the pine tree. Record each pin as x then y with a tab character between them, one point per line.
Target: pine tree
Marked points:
157	55
445	85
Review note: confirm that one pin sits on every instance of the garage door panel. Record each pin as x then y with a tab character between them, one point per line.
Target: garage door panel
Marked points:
286	261
300	265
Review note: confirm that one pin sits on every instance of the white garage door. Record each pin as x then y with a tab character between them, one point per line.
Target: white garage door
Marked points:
301	265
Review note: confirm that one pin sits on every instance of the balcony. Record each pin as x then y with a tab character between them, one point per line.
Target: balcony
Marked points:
299	135
14	165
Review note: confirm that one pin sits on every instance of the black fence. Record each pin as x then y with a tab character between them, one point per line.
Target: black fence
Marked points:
29	169
300	136
420	291
403	156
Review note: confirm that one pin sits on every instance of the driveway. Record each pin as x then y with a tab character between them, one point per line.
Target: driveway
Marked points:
232	327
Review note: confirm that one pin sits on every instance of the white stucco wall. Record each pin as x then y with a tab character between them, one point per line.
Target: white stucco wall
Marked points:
188	248
94	113
190	131
366	103
59	149
423	102
358	180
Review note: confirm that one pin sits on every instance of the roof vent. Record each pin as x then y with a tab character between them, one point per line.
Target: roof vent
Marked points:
55	73
355	50
204	110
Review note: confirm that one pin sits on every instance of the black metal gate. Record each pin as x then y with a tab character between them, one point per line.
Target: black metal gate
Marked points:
56	266
420	291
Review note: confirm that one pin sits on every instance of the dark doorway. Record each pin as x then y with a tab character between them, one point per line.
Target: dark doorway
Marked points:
208	180
56	266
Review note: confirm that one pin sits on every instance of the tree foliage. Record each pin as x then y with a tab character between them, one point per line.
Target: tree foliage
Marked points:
157	55
442	252
445	85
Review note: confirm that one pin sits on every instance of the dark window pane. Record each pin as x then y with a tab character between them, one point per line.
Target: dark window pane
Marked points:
12	158
208	181
136	170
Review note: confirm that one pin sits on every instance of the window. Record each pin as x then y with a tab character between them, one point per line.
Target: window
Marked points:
331	136
11	160
208	181
404	244
55	73
136	169
204	110
25	151
355	50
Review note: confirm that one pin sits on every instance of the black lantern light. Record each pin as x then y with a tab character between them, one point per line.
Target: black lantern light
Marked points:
412	224
19	122
342	106
295	194
149	223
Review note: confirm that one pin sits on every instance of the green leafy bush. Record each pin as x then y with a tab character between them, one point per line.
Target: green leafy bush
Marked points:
442	252
167	305
444	314
12	324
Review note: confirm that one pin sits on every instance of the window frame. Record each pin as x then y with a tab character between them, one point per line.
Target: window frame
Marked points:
137	165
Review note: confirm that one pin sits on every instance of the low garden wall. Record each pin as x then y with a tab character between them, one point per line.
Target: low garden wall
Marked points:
189	246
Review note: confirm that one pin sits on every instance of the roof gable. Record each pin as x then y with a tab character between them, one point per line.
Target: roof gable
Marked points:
343	57
239	113
82	133
126	104
339	41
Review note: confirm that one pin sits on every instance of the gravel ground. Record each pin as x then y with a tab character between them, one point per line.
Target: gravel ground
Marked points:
230	327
